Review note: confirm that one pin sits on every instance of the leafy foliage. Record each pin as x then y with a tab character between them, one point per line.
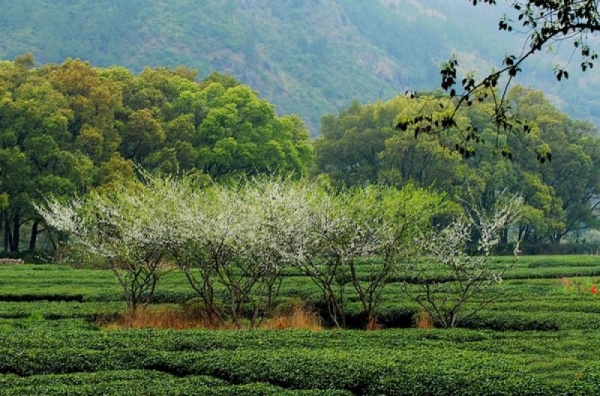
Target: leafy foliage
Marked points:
544	23
360	145
467	270
67	129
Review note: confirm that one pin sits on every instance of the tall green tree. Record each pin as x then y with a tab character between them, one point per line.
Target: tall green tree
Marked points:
242	133
67	129
36	149
573	173
559	196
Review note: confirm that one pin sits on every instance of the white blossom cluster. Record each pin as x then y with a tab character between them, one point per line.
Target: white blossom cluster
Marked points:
243	236
121	228
461	267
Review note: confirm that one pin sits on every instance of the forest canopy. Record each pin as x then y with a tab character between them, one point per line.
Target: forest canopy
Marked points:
67	129
72	128
309	58
360	145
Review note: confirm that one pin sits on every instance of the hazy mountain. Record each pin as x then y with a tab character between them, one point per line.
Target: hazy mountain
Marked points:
309	57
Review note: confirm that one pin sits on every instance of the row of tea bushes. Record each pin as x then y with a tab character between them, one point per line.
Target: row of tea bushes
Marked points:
140	382
542	315
422	371
19	335
384	362
53	310
60	282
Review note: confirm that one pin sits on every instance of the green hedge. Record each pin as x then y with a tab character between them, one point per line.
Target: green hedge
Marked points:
422	371
140	382
384	362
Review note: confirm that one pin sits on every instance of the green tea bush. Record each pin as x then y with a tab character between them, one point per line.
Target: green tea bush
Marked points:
390	316
35	358
54	310
143	383
28	297
513	321
559	249
560	261
100	377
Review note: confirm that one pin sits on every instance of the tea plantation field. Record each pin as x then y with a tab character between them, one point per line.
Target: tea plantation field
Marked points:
540	336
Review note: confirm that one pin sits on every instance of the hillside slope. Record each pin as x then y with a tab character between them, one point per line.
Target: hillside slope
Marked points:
310	57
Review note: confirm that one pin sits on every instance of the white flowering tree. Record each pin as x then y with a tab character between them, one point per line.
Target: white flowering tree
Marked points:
384	222
453	268
200	240
275	213
229	232
321	246
232	243
124	229
355	241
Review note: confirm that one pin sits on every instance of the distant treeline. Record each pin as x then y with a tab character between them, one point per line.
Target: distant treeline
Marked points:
361	145
71	128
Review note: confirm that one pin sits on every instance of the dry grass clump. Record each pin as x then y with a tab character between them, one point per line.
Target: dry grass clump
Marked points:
373	325
297	317
177	318
424	320
173	318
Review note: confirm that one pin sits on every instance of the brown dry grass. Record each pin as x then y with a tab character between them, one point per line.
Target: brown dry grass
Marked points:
175	318
424	320
373	325
163	318
298	317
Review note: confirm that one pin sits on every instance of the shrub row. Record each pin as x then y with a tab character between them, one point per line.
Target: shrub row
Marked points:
552	249
58	309
513	321
140	382
423	371
27	297
71	334
97	378
544	314
59	283
541	316
552	272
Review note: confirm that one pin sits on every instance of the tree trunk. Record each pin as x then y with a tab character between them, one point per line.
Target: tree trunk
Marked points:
504	237
7	236
34	234
16	234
